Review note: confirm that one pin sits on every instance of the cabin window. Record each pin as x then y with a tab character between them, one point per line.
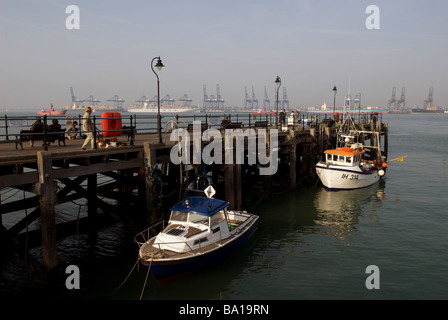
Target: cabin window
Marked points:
335	157
196	242
178	216
348	159
328	157
197	218
218	217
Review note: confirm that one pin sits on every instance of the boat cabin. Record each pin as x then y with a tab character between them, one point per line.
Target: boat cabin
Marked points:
344	157
195	221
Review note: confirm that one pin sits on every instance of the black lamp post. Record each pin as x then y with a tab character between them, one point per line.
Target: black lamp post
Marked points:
159	66
278	82
334	100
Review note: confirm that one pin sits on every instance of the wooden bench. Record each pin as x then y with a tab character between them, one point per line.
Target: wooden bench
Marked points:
127	131
261	124
204	127
232	125
28	135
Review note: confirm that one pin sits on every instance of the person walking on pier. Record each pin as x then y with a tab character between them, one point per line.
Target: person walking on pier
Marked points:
87	126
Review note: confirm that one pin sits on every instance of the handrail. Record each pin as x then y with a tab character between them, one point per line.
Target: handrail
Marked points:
10	126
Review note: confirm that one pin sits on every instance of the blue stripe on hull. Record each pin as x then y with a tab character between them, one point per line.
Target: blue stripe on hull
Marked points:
168	270
346	170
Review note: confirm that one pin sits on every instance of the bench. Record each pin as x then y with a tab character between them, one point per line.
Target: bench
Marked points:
130	132
204	127
261	124
28	135
232	125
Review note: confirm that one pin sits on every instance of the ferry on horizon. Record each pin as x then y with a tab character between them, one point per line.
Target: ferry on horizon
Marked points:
147	108
96	108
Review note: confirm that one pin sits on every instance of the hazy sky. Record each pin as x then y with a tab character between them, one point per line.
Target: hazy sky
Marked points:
311	44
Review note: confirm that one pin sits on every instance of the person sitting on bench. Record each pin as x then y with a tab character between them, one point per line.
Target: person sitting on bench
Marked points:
225	123
37	126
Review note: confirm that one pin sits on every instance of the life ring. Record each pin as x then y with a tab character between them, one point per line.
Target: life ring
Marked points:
111	124
346	149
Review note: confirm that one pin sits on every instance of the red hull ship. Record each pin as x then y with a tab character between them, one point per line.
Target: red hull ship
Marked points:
52	112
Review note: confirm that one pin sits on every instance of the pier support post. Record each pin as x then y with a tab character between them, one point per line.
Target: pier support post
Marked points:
238	188
229	175
386	139
92	208
150	162
47	213
293	166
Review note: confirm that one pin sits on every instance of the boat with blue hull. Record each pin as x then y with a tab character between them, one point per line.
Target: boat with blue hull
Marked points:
201	232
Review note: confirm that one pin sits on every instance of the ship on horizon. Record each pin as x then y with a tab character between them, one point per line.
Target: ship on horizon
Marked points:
95	108
433	110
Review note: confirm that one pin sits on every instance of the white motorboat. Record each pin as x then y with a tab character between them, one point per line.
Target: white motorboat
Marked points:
201	231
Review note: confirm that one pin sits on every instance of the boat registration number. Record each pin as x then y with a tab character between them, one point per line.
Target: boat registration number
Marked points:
349	176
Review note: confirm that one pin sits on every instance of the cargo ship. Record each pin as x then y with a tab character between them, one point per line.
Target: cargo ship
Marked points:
426	111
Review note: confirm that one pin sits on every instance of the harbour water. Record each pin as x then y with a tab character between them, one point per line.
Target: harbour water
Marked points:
311	243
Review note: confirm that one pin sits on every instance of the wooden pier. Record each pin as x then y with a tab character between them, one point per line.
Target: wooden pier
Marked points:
62	174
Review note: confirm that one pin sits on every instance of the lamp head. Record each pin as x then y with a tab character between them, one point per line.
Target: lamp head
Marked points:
159	64
278	80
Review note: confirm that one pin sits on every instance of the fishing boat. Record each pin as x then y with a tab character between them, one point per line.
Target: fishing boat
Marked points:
348	167
51	112
201	232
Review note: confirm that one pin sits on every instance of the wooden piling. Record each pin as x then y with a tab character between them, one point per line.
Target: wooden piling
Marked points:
150	163
47	198
92	190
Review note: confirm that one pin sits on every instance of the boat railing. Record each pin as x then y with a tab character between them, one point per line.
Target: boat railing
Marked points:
144	236
148	233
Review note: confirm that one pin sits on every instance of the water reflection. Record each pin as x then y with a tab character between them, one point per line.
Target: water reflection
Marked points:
338	212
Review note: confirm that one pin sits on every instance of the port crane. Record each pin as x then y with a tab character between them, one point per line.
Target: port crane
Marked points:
75	101
247	101
186	100
168	100
266	101
254	99
401	104
118	102
91	100
393	100
428	102
285	101
219	99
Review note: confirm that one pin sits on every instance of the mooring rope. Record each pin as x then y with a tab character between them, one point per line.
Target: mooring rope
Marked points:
146	279
126	278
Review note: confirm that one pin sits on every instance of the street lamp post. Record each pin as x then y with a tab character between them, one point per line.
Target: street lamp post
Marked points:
278	82
334	101
159	66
